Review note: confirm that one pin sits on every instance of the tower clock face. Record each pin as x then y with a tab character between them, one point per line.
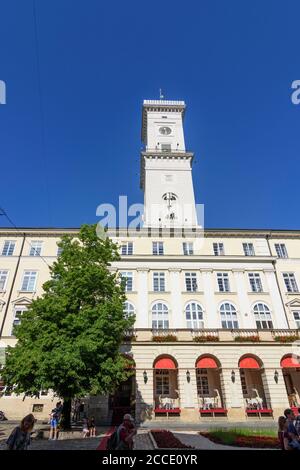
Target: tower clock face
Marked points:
165	130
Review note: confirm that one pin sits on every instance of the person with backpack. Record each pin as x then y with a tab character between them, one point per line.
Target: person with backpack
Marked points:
122	437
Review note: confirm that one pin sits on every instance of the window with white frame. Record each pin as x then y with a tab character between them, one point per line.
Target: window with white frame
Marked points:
159	284
162	382
128	309
248	249
202	382
188	248
218	249
29	281
228	316
255	282
194	316
160	316
281	250
223	282
59	251
8	248
127	278
127	248
290	282
3	279
35	248
18	312
191	282
296	315
262	316
157	248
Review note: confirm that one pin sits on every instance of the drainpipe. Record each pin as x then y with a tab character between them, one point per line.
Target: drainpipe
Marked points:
12	286
277	280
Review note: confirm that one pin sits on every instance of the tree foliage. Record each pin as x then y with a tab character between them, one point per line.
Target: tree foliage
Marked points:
69	339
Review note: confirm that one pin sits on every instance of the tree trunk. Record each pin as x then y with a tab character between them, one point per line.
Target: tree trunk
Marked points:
66	414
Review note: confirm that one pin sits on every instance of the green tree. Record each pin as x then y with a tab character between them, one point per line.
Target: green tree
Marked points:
69	339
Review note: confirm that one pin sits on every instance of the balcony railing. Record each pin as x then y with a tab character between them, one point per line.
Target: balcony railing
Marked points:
215	335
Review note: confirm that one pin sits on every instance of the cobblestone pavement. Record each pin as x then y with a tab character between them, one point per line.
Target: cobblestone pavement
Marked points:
142	441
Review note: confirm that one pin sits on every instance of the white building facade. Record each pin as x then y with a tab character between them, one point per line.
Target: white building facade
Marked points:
217	311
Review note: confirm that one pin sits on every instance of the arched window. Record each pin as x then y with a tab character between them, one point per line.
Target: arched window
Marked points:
194	315
228	316
262	316
128	309
160	316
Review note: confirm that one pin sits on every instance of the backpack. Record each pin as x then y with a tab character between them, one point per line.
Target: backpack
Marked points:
113	440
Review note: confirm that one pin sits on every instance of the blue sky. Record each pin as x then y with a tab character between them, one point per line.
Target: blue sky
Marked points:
76	144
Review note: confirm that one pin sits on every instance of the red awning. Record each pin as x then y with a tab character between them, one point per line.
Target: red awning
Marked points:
165	363
290	361
249	363
206	363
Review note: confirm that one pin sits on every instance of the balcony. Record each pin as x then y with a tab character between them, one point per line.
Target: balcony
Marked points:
213	335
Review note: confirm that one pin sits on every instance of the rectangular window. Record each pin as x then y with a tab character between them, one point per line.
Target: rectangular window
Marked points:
159	282
223	282
35	248
18	312
157	248
8	249
59	251
297	318
188	248
281	250
219	249
166	147
3	279
127	248
162	382
202	382
29	281
191	282
290	282
127	277
255	282
248	249
244	383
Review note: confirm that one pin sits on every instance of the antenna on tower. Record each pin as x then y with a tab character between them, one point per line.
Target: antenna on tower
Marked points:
161	96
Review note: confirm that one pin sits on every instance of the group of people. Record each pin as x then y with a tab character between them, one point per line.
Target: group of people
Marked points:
289	430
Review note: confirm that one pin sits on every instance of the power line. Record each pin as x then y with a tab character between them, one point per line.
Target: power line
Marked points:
3	212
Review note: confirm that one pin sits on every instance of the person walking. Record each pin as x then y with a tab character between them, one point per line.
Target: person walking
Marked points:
20	437
283	435
297	422
126	432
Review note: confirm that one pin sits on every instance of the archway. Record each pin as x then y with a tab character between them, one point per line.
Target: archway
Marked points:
165	386
252	386
290	365
209	391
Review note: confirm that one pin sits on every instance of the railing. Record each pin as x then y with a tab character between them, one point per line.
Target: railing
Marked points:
214	335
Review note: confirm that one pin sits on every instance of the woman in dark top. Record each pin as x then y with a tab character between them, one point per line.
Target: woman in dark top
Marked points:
20	437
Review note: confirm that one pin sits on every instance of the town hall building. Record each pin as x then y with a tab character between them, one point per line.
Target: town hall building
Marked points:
217	311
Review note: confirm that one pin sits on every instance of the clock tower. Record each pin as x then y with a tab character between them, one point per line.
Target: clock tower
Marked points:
166	167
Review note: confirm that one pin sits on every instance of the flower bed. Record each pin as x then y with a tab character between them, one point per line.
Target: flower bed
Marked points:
247	339
232	438
164	338
205	338
167	440
286	339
